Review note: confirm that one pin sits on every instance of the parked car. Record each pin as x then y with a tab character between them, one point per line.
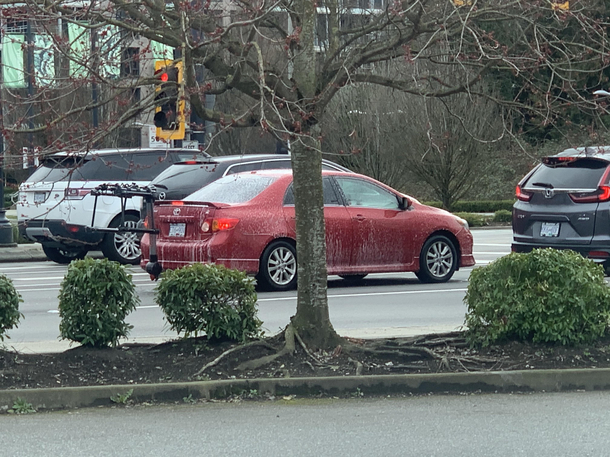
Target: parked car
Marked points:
55	206
182	179
564	203
246	221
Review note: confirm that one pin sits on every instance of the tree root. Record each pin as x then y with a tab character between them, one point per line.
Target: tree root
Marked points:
289	348
230	351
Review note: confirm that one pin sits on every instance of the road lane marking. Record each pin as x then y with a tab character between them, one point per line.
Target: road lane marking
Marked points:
371	294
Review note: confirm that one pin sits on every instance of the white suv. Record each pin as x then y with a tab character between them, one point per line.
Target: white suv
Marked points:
56	208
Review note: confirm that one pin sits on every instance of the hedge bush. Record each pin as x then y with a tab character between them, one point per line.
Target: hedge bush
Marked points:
477	206
546	295
95	297
211	300
503	215
473	219
9	306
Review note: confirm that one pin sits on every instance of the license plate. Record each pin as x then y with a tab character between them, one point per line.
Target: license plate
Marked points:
39	197
177	229
549	229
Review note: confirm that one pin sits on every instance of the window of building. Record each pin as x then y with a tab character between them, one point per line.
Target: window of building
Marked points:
130	63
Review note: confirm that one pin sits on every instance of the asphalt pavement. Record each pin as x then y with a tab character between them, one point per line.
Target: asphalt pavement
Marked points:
505	381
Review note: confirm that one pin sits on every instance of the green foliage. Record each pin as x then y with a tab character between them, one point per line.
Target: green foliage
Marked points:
94	298
122	399
473	219
209	299
477	206
21	406
546	295
503	215
9	306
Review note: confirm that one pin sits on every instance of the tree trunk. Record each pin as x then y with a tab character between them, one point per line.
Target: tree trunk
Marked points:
312	320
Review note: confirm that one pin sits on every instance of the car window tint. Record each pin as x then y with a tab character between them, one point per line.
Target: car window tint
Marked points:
240	168
330	195
359	192
276	164
109	167
145	166
189	175
232	189
580	174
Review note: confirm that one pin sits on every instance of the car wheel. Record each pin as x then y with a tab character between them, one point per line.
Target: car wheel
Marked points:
123	247
353	278
438	260
278	269
63	256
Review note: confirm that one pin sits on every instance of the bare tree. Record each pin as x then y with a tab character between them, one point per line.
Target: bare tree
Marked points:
292	57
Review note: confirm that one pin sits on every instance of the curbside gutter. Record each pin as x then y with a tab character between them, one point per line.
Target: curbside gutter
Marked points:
337	386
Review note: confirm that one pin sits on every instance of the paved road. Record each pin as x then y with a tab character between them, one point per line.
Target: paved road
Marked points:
385	304
554	425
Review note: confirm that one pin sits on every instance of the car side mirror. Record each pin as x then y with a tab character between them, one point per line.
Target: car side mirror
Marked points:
404	203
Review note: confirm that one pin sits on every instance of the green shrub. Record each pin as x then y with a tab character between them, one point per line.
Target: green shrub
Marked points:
9	306
503	215
478	206
546	295
94	298
473	219
209	299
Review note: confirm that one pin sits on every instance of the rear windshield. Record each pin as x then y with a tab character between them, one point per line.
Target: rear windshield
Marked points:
73	168
580	174
129	166
232	189
180	176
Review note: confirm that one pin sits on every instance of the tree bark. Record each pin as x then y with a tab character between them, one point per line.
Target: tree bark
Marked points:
312	320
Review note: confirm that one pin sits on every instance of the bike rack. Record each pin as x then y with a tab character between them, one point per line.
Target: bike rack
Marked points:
125	191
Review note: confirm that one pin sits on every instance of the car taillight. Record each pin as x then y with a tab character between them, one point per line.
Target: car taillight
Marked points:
218	225
602	194
523	195
73	193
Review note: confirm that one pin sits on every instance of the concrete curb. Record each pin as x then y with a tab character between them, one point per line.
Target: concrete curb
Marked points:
338	386
22	253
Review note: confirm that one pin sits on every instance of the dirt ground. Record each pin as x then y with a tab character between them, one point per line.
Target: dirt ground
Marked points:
196	359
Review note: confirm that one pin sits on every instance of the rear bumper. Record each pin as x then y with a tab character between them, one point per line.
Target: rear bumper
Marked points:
59	233
190	253
596	252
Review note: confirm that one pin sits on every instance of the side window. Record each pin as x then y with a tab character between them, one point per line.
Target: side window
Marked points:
239	168
146	166
276	165
359	192
330	195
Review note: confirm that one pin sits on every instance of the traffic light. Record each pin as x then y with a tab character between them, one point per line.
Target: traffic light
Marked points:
169	100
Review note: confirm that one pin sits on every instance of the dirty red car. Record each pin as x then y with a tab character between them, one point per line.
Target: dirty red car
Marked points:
246	221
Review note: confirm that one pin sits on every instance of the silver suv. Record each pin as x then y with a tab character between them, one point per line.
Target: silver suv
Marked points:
564	203
56	207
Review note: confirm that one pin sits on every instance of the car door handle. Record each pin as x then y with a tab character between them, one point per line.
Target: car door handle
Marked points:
360	218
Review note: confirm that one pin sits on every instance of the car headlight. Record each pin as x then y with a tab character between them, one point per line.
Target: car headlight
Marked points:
462	222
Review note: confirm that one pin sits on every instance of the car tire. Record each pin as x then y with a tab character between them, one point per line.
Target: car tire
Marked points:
123	247
354	278
438	260
278	267
63	256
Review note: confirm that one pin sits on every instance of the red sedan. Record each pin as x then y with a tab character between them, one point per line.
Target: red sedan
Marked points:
246	221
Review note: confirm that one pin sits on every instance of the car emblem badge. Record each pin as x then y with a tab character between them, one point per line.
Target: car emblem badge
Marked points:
549	193
176	211
161	196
